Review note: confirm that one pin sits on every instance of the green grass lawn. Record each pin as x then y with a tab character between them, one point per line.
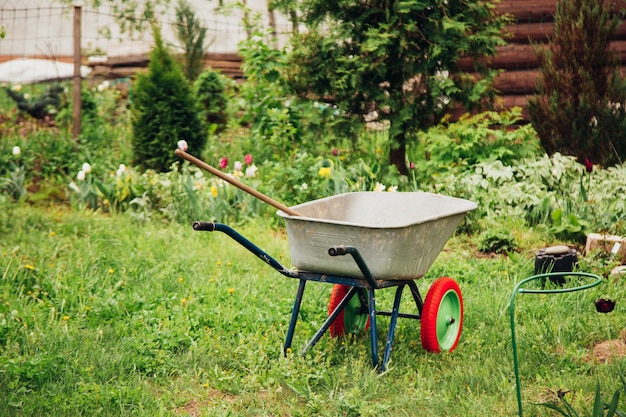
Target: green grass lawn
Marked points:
103	316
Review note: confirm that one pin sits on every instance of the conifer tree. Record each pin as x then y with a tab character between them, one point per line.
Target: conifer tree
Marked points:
579	110
165	110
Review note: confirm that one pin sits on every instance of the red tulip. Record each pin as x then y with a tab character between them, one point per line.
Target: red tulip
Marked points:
604	305
588	165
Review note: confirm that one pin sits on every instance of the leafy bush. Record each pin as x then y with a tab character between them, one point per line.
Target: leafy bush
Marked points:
46	104
164	112
209	89
484	137
497	241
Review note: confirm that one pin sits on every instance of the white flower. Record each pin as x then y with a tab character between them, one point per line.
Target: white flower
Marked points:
392	189
182	145
81	175
17	87
103	86
120	170
238	166
251	171
74	187
86	168
379	187
16	150
304	186
26	96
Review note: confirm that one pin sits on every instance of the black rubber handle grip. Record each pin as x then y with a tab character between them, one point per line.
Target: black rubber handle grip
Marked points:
338	251
204	226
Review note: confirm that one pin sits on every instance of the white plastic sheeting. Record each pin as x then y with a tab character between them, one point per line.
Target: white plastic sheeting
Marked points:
27	71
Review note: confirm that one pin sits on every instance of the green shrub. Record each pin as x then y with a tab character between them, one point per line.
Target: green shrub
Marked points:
191	37
46	104
484	137
210	91
164	112
497	240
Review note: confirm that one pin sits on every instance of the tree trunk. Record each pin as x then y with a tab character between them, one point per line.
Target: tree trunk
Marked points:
397	157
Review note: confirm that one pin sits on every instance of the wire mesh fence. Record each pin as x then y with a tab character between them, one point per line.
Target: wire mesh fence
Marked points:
43	29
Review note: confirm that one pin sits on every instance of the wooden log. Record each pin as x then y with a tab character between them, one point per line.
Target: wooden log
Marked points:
221	64
224	57
517	82
536	10
523	56
523	32
526	32
128	60
528	10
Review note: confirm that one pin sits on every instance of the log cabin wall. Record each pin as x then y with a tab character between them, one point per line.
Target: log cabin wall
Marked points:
533	25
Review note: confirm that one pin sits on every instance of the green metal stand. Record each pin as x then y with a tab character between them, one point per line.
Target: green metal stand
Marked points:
519	289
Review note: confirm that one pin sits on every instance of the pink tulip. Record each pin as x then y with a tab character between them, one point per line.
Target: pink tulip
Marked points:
247	159
223	163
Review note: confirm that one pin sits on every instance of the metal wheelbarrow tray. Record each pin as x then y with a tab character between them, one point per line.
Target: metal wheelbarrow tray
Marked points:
392	240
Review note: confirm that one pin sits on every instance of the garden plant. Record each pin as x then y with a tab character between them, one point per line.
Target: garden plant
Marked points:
111	304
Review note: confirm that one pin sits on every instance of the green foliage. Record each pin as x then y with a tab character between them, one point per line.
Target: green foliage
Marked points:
192	37
44	105
497	241
88	111
580	110
164	111
599	405
395	60
210	90
266	108
544	191
484	137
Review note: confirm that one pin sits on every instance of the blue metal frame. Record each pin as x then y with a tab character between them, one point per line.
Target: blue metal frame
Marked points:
363	287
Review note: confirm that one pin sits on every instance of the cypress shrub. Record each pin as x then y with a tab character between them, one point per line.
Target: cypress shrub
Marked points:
211	95
165	110
580	109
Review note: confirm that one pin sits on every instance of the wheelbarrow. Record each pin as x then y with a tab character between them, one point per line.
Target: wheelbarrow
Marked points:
366	241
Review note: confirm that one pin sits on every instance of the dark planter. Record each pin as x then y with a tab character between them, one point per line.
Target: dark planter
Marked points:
555	259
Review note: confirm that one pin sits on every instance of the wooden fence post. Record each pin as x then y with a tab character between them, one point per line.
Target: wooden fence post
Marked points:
77	79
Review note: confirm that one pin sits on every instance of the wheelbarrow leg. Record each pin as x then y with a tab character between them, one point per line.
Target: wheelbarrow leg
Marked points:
294	315
342	304
371	303
416	296
392	326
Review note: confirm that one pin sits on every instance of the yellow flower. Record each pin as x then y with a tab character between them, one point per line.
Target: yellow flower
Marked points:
52	233
325	172
28	266
66	318
231	290
111	270
180	279
214	191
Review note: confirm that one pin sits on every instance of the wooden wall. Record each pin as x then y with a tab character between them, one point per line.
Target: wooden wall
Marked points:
533	23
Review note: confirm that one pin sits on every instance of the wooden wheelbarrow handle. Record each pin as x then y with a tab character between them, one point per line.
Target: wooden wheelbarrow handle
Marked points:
201	164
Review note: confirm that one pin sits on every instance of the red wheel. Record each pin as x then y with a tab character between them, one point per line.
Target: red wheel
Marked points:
442	316
352	319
